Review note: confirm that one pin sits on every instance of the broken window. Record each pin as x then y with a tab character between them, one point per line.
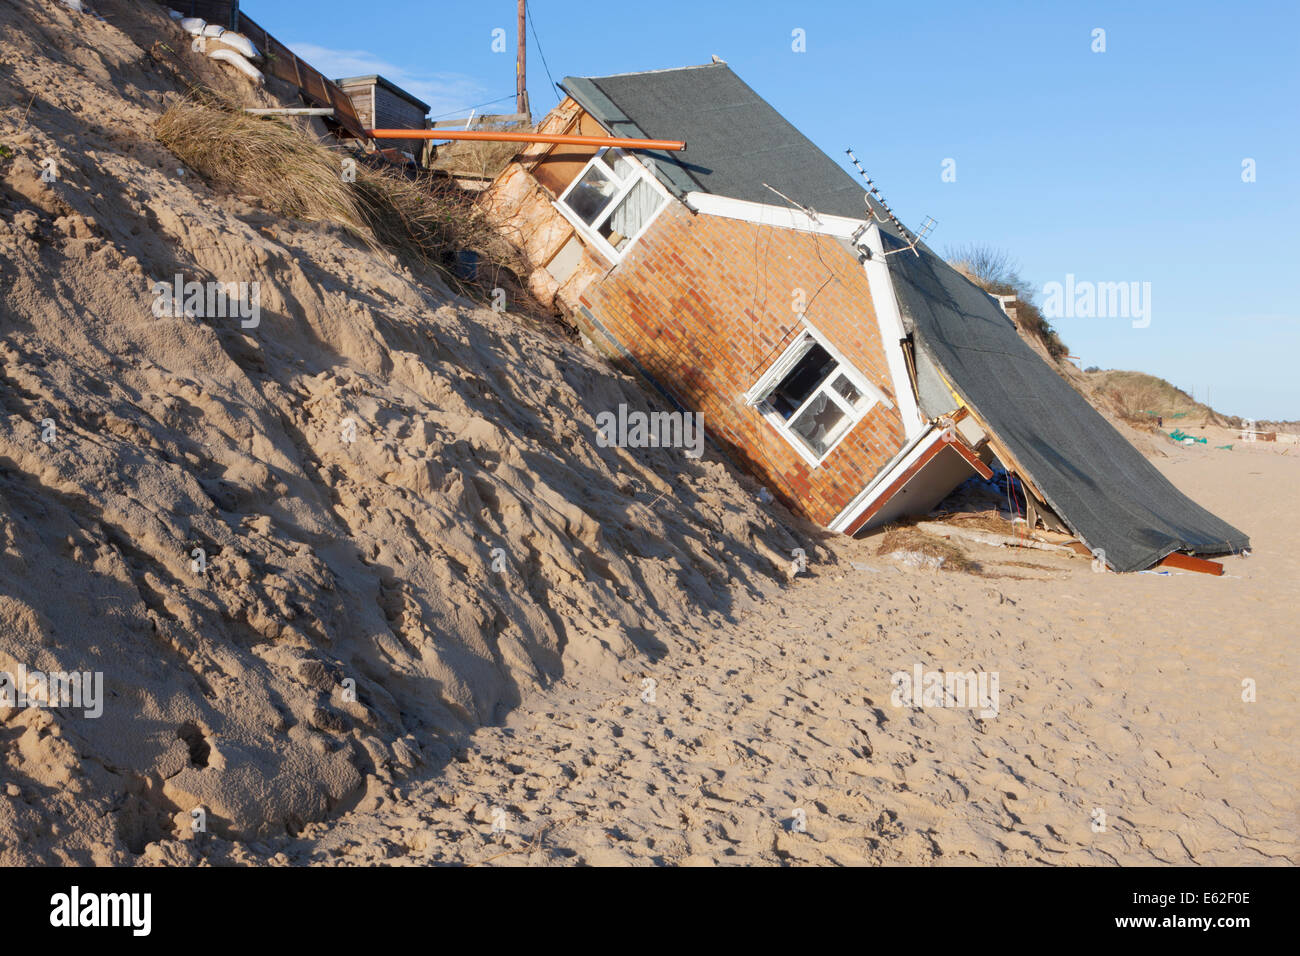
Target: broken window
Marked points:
813	397
615	198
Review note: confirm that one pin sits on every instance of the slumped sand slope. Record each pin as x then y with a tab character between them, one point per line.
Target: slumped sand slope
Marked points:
472	544
1119	706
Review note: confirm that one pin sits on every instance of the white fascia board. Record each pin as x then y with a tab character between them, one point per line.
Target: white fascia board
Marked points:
892	332
900	463
764	214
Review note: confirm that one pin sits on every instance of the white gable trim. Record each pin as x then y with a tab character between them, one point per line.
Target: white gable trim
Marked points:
888	317
906	456
769	215
892	332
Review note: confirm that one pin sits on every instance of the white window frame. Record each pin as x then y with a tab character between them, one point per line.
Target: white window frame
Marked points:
778	370
592	232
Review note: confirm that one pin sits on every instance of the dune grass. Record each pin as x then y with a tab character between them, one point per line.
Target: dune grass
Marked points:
994	271
1140	397
426	219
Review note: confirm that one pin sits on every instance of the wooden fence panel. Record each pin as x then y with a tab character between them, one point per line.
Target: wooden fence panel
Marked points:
314	86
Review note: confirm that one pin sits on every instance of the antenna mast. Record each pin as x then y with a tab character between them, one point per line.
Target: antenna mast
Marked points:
911	237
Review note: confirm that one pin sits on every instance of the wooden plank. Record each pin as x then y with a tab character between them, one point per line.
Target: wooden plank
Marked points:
345	113
1176	561
1186	562
972	459
909	358
487	119
315	88
291	111
265	43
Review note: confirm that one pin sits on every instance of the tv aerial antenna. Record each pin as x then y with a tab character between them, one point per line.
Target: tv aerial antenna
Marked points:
913	238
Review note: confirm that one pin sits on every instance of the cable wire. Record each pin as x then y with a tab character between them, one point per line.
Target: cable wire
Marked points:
462	112
532	24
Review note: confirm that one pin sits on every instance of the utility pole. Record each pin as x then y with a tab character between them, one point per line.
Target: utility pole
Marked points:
521	67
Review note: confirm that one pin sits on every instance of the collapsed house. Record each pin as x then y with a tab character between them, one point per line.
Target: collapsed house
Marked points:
832	354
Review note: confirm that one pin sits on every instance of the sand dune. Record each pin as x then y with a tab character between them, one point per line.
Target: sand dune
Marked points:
467	542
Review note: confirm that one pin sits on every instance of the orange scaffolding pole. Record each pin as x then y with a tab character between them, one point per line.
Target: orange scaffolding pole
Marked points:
506	136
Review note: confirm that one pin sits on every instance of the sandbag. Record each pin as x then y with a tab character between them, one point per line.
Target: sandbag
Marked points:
240	43
238	61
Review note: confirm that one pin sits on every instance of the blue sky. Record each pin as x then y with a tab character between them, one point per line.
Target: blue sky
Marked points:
1115	166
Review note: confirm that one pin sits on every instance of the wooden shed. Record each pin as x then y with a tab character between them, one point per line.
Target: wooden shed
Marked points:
382	104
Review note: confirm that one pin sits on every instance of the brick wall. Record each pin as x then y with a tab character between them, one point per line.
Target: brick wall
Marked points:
522	208
705	305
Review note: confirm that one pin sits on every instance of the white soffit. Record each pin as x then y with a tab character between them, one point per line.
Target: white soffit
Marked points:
905	458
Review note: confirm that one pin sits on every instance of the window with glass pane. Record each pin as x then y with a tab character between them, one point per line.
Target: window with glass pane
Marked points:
821	423
637	207
617	160
850	392
614	197
809	372
816	401
591	193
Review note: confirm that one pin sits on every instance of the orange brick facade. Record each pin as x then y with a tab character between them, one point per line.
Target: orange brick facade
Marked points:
704	305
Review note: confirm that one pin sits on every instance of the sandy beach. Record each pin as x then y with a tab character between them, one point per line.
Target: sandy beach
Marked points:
1118	693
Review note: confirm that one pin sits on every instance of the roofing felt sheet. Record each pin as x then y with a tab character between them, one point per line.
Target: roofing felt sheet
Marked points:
1112	497
735	141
